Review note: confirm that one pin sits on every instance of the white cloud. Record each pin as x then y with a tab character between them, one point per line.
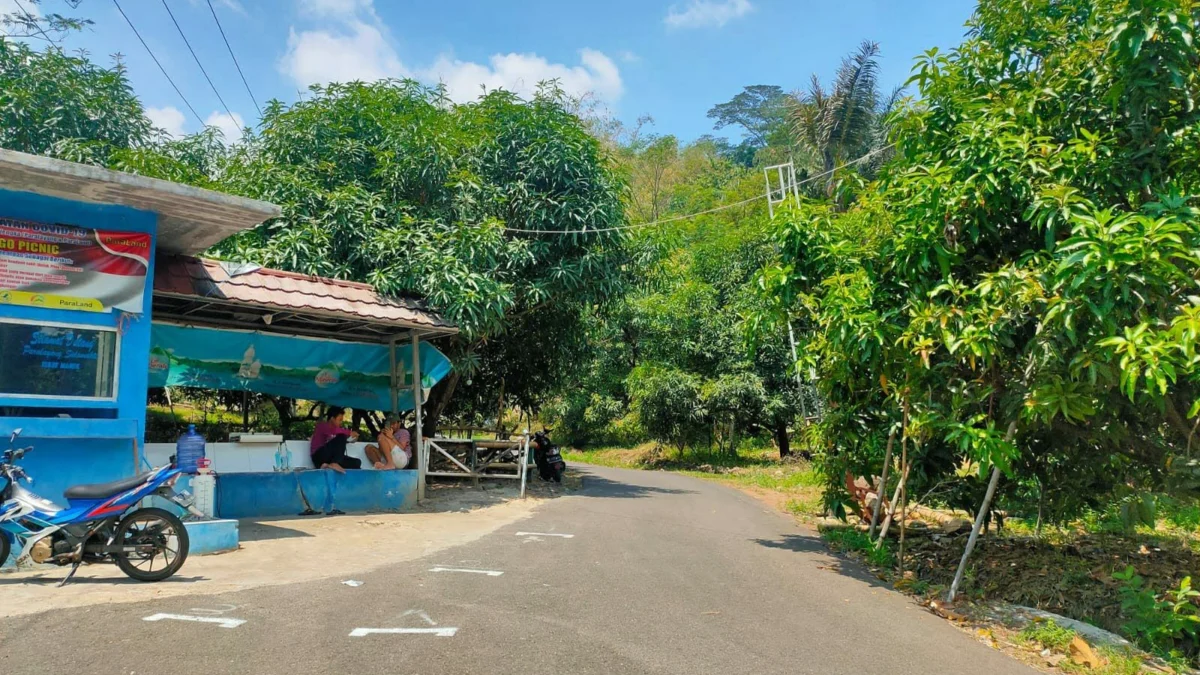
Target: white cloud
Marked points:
352	43
627	56
357	52
167	118
706	13
521	73
231	127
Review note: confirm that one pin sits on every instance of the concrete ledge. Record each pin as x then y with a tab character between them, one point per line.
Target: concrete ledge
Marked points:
212	536
257	495
204	537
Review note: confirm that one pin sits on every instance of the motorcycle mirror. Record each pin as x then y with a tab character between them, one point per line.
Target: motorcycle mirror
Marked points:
15	433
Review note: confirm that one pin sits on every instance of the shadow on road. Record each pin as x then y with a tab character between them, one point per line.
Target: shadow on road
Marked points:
597	486
834	562
249	530
53	579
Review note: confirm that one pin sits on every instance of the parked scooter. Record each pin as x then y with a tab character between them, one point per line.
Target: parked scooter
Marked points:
102	523
549	461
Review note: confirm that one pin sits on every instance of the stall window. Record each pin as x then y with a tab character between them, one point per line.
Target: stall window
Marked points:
58	361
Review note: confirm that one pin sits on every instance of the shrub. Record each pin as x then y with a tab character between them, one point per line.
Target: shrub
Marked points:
1159	622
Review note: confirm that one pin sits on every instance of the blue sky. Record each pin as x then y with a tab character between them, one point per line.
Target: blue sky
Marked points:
671	59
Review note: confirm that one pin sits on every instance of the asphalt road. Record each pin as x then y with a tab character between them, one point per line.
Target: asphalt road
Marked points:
663	574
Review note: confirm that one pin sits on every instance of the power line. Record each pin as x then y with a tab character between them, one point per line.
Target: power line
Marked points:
706	211
197	60
156	62
235	61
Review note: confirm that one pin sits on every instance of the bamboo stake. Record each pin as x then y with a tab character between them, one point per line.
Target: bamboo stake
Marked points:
887	522
903	504
983	509
887	462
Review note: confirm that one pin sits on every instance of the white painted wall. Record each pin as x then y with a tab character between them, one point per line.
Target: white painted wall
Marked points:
251	457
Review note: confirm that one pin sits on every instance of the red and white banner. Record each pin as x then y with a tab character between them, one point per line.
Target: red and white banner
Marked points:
67	267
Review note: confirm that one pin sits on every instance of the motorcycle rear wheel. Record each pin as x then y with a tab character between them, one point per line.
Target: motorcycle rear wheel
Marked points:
558	473
5	548
152	526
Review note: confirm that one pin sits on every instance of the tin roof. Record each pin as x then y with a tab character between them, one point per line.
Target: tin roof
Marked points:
236	295
190	219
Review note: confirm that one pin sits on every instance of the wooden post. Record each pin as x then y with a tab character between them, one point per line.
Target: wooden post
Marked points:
887	464
983	509
422	454
524	464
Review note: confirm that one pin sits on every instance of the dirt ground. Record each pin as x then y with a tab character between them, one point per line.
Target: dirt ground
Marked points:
288	550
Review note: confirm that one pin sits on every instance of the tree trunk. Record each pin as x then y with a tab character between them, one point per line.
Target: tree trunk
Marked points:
979	516
781	438
887	463
439	399
283	406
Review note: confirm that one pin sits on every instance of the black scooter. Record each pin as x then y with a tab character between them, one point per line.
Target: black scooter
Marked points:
549	461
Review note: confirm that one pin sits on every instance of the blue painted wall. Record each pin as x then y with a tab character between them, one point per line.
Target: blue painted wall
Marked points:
251	495
97	443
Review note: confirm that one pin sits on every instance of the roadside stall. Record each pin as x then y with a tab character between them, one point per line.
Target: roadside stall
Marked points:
241	327
100	299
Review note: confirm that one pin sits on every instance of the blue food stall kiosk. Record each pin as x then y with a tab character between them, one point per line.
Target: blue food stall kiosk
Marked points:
96	265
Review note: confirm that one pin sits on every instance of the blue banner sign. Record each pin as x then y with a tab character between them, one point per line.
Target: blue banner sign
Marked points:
349	374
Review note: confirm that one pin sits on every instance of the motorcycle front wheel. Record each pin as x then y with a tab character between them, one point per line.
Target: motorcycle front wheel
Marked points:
152	527
5	548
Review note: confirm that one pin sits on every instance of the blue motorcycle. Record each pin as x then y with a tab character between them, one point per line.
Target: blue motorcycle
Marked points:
102	523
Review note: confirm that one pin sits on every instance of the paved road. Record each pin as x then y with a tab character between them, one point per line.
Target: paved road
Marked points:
664	574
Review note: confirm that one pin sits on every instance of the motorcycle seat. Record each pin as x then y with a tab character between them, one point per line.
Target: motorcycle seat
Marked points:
102	490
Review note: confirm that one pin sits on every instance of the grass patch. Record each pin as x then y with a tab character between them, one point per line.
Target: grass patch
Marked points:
852	540
1047	634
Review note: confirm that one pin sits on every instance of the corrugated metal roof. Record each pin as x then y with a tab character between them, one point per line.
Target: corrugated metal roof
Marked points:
190	219
210	280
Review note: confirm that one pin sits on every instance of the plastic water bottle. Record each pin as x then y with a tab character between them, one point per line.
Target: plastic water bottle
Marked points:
189	450
283	457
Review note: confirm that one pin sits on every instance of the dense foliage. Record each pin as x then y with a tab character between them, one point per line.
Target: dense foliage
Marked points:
67	107
1023	276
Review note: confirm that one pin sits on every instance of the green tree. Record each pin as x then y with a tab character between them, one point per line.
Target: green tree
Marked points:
760	111
847	120
391	184
66	106
1026	267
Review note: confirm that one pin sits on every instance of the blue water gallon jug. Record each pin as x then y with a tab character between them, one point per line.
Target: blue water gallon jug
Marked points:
189	450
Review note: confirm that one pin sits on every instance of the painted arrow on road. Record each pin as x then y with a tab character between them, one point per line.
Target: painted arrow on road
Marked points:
445	631
223	623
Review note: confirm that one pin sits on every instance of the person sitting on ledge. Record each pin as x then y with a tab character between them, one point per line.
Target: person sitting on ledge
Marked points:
393	438
328	445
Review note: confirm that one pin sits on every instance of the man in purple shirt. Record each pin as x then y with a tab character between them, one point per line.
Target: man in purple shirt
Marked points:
328	445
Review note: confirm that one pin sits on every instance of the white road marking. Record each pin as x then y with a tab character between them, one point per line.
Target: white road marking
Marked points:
447	631
544	534
421	613
223	623
219	609
490	573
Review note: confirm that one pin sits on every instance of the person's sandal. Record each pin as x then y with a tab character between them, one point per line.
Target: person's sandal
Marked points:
309	512
335	512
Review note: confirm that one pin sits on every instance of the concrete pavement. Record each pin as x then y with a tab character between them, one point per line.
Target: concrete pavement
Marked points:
660	574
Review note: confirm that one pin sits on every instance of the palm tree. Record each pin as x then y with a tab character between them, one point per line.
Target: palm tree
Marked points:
847	121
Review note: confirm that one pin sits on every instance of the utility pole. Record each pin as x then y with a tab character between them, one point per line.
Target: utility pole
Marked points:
788	188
